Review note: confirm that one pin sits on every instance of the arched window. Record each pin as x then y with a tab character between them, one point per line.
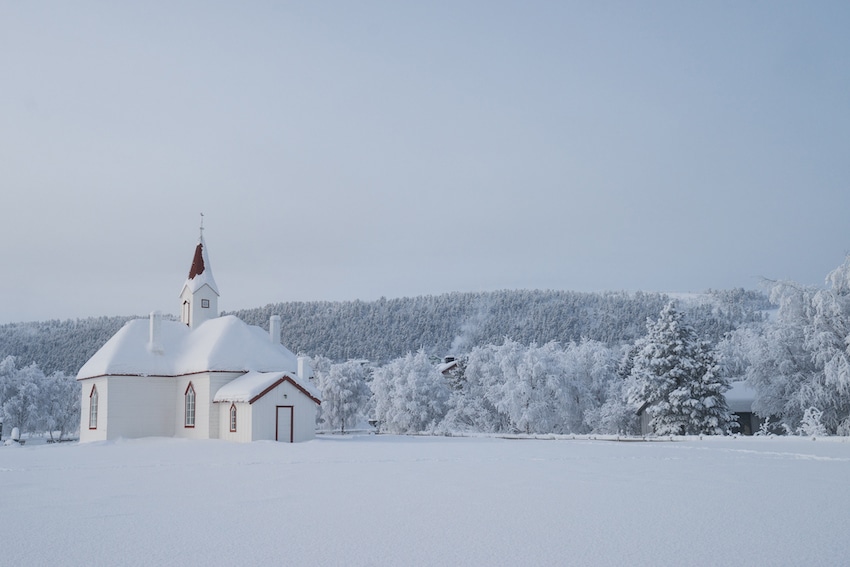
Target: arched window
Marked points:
93	408
233	418
189	405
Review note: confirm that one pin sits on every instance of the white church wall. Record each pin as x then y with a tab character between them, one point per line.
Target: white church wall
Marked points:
243	422
264	413
99	433
138	407
305	419
201	385
207	416
218	380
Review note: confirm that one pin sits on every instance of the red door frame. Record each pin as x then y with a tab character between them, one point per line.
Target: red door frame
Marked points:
291	422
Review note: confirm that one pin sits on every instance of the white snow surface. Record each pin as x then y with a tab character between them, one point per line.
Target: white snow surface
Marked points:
250	385
223	343
387	500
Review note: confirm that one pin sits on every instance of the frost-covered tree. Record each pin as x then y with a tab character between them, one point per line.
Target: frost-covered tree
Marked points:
469	406
801	359
7	379
410	394
33	402
345	394
828	340
532	389
779	365
20	408
525	387
617	414
590	369
58	405
706	396
676	380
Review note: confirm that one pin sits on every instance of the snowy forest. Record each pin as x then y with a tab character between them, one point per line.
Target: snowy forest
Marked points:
532	362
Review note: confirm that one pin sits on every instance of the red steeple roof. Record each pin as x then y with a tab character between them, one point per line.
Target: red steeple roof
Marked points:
197	262
200	274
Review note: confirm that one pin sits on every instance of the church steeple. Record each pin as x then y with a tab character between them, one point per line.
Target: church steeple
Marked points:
199	297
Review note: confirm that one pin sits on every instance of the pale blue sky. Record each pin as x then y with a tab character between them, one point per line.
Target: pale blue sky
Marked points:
352	150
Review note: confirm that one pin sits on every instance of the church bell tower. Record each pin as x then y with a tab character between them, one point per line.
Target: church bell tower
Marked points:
199	297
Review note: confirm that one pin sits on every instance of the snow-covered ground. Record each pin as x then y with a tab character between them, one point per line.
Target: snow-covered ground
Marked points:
386	500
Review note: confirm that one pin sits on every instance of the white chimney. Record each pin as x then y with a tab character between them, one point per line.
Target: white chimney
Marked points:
155	343
274	329
305	370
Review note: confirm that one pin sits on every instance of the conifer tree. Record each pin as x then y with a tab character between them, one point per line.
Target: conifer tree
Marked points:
676	379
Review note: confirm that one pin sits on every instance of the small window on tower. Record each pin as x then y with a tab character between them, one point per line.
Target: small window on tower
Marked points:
205	303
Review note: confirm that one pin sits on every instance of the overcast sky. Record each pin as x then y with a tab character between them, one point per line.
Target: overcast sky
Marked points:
353	150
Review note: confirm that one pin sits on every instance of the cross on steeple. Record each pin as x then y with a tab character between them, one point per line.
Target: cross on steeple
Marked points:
202	225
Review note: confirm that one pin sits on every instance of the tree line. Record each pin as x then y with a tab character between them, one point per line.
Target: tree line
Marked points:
526	361
385	329
578	387
676	372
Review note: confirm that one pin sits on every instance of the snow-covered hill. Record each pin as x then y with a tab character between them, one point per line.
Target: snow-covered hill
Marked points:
441	324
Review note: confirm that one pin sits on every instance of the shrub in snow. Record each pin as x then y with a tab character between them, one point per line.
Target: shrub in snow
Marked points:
812	424
764	428
844	428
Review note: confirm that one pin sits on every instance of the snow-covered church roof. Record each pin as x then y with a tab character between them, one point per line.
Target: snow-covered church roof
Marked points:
253	385
220	344
740	397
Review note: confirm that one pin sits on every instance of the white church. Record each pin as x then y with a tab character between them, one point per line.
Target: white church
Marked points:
204	377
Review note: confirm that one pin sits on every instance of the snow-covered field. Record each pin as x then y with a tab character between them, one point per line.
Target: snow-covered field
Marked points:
386	500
